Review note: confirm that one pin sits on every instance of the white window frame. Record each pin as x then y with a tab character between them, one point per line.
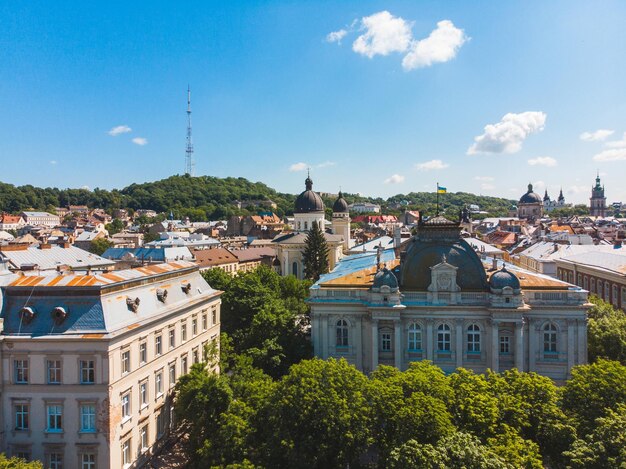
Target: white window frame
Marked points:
473	338
414	337
54	418
87	369
444	338
57	370
21	370
87	411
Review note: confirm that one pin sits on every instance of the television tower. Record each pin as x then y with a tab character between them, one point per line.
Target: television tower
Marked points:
189	164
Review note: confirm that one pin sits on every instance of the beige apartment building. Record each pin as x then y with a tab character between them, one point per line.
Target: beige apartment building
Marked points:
89	361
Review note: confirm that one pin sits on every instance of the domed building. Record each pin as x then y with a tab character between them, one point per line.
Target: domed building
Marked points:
309	210
434	298
341	220
530	205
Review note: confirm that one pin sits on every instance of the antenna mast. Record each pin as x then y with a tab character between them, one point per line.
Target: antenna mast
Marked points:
189	164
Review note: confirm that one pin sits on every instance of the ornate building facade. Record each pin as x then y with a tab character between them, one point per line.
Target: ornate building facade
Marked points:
597	202
436	299
309	210
549	205
530	205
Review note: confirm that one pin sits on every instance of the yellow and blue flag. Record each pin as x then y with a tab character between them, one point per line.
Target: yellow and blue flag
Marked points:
441	189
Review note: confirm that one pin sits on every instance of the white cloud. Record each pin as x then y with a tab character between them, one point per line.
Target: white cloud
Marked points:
383	34
85	187
600	134
440	46
336	36
326	164
617	143
538	184
577	189
140	141
120	129
615	154
298	167
508	135
542	161
484	178
394	179
53	162
487	187
430	165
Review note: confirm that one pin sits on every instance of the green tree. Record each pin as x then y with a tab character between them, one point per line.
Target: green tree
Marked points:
100	245
116	226
593	391
457	451
315	256
201	399
317	417
17	463
606	332
605	446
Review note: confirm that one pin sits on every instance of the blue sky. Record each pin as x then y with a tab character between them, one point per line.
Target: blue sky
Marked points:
395	106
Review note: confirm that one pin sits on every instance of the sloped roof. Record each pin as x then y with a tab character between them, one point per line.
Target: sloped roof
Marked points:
55	256
212	257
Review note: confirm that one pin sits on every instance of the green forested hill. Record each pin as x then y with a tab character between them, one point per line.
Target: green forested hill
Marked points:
206	197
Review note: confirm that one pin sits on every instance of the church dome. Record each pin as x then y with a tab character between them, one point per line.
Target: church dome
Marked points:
437	239
309	200
340	205
385	277
503	278
530	197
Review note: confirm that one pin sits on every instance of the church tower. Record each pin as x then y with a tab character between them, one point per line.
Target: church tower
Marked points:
597	202
309	209
341	220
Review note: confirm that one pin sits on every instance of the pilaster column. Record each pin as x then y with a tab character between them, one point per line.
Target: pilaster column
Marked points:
324	336
495	353
459	343
571	357
430	339
397	352
519	345
374	343
358	343
582	341
533	333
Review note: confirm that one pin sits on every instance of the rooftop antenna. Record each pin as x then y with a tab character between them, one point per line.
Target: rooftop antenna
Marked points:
189	164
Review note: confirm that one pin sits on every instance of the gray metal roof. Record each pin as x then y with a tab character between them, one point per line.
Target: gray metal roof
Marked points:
55	256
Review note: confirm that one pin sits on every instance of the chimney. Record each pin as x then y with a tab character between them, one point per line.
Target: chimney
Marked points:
617	244
494	264
45	246
397	237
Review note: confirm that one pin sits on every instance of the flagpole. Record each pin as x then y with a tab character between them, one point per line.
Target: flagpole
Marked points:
437	199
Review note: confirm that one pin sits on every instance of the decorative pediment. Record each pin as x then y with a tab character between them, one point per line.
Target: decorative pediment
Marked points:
443	277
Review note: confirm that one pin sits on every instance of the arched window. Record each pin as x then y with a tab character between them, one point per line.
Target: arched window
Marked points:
415	337
306	225
599	291
586	282
299	226
593	285
342	333
607	292
294	269
443	338
550	338
473	338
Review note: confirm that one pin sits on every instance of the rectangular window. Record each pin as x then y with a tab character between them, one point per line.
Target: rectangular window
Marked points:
143	353
158	383
87	371
505	344
213	317
21	371
160	422
385	341
55	461
183	364
54	415
126	405
21	417
126	457
195	355
25	455
88	461
172	338
183	332
172	374
54	371
143	393
126	362
194	327
143	438
204	350
88	418
204	322
158	346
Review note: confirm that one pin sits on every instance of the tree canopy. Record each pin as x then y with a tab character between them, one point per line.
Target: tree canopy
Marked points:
315	255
